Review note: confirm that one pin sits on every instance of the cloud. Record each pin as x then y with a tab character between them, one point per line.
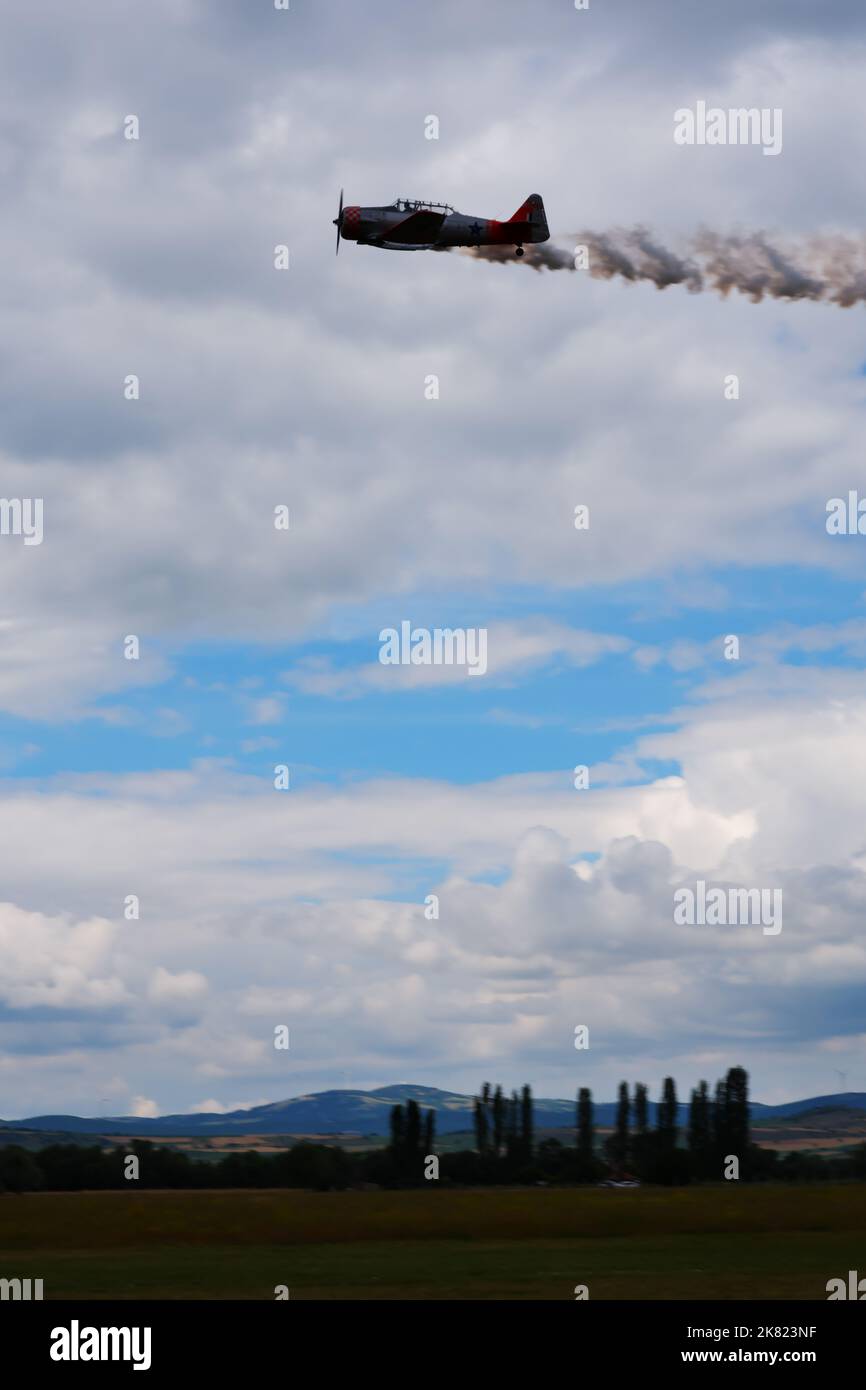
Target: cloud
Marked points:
513	651
58	963
555	908
176	989
145	1109
218	1107
268	710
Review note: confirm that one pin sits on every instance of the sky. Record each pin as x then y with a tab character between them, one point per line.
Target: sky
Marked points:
307	388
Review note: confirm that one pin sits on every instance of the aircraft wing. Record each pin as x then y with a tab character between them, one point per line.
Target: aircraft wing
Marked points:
420	228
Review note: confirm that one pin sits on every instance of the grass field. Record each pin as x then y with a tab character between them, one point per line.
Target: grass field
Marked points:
709	1242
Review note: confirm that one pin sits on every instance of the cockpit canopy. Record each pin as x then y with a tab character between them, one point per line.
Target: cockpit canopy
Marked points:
418	205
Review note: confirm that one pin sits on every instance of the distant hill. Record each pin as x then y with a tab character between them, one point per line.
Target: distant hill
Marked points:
324	1112
844	1100
366	1112
824	1130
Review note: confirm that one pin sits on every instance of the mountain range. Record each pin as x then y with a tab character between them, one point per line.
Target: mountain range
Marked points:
367	1113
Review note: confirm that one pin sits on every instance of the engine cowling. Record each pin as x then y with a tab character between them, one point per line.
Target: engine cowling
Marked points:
350	226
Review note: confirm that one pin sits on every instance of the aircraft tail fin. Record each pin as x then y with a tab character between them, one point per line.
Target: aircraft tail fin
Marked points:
531	214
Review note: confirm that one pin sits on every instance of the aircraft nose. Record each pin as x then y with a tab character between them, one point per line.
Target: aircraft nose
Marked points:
351	223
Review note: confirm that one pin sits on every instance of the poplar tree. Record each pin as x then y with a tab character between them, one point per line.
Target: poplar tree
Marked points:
700	1138
641	1109
413	1133
720	1120
667	1116
585	1127
737	1096
526	1123
512	1121
498	1109
621	1144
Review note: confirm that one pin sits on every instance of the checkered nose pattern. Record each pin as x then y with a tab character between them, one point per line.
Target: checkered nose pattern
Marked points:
351	223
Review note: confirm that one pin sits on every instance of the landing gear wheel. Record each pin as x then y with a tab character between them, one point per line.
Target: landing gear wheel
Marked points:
519	251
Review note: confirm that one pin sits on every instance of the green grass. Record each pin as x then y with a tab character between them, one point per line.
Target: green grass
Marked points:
719	1242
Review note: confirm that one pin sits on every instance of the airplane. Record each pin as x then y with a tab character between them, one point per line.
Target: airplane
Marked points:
405	225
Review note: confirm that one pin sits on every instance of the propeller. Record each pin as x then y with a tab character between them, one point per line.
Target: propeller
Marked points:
338	223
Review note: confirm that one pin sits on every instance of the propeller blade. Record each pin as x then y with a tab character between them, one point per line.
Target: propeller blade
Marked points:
339	223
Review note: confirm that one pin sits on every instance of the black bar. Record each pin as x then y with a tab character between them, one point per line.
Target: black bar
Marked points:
246	1338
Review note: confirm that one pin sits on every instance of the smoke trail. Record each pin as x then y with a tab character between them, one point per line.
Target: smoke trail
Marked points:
830	268
543	257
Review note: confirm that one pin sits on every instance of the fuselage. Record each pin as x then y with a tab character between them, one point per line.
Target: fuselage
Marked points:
419	226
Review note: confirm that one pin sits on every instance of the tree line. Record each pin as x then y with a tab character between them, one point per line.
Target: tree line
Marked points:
506	1150
716	1142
